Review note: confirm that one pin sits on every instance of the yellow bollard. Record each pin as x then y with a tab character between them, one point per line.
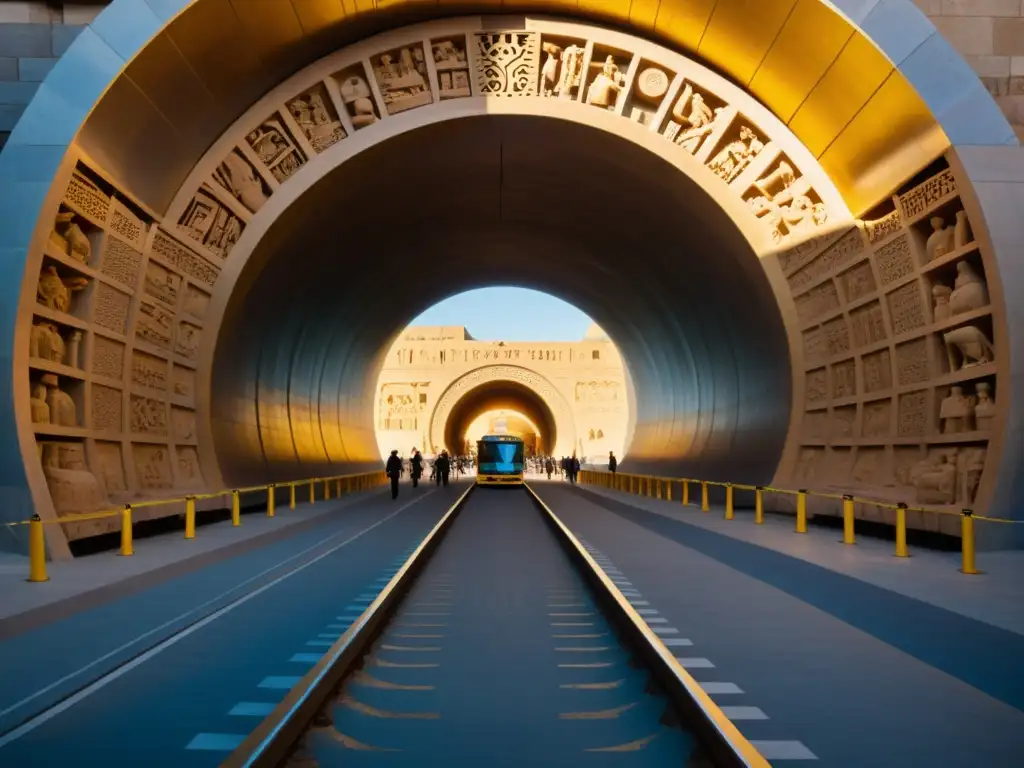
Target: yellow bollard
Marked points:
327	489
36	550
658	488
190	517
337	488
126	532
901	530
271	499
801	511
291	496
650	488
704	506
759	506
967	543
848	535
668	490
312	491
236	509
686	493
729	512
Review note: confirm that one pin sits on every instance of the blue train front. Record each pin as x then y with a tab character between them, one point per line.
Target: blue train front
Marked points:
499	460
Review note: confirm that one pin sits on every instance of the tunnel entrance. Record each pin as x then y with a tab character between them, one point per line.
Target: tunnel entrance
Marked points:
497	395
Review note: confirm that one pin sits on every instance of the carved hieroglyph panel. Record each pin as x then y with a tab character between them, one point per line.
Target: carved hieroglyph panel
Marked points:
837	255
877	419
276	149
880	229
152	466
507	63
857	282
815	425
196	301
86	198
183	425
121	262
316	116
154	325
815	345
181	258
559	407
126	225
868	325
189	474
817	302
924	196
110	309
906	308
452	67
894	260
107	357
816	386
210	223
597	392
842	422
912	414
184	383
186	340
149	371
149	416
877	371
844	379
111	467
912	362
837	336
809	466
161	283
106	409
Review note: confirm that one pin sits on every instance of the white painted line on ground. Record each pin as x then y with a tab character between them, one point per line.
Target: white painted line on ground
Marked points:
279	683
216	742
783	750
306	658
744	713
695	663
252	709
665	631
720	689
635	603
671	641
647	611
652	620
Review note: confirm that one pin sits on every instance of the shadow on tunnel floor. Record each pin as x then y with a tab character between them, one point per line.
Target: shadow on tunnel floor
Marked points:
982	655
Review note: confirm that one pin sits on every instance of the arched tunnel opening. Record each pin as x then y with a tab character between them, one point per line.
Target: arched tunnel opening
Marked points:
496	396
517	200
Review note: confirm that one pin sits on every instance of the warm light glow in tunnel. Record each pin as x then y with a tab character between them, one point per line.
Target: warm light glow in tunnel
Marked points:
503	421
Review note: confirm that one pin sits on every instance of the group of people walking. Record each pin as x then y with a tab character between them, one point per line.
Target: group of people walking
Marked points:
569	466
441	468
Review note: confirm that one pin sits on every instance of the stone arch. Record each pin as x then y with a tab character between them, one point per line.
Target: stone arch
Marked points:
489	374
854	160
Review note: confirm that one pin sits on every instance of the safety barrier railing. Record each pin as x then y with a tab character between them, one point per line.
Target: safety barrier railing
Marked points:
661	488
342	484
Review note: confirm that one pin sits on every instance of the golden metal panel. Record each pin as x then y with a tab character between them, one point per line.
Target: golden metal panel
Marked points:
642	14
271	25
741	32
317	15
890	139
684	21
809	42
606	9
855	75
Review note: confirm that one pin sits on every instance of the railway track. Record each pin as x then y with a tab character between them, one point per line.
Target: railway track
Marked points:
499	642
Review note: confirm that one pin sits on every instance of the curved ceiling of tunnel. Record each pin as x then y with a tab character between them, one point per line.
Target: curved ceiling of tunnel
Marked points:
549	204
498	395
831	85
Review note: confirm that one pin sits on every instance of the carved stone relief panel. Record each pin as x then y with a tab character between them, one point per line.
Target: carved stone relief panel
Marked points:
184	383
912	415
912	362
925	195
180	257
809	466
152	466
877	419
597	392
837	336
276	148
107	357
316	116
237	176
154	325
110	308
210	223
842	422
126	225
149	416
858	282
121	262
106	409
111	467
86	198
906	308
183	424
186	340
55	343
793	258
55	291
844	379
607	77
402	78
872	468
649	90
838	466
161	283
356	96
189	473
561	76
149	371
868	324
73	487
815	345
815	425
803	214
508	63
817	302
880	229
841	252
695	116
741	143
196	301
894	260
816	386
877	371
452	66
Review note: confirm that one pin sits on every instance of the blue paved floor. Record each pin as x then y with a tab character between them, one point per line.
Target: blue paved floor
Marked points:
186	705
982	655
499	658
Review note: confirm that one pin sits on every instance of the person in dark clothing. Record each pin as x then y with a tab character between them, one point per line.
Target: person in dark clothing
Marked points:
613	463
574	469
549	466
443	467
416	464
393	469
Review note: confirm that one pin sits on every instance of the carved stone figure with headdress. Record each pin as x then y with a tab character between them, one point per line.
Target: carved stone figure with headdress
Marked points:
70	238
969	290
73	487
45	343
940	241
62	408
985	408
956	412
941	294
54	291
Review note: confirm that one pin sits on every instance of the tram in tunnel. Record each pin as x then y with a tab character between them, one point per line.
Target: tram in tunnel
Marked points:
500	460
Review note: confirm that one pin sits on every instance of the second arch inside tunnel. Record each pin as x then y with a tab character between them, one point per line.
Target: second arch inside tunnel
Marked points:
496	397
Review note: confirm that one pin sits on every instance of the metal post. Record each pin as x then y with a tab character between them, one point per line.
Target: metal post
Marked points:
801	511
848	535
901	530
686	493
271	494
236	509
327	489
759	506
312	491
36	550
126	532
190	517
291	496
704	506
729	513
967	543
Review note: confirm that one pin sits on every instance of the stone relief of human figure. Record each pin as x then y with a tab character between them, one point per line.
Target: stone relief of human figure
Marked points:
696	118
239	178
736	155
605	88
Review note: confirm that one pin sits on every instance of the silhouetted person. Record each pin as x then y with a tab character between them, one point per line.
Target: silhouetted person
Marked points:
443	467
574	469
394	471
549	467
613	463
416	463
